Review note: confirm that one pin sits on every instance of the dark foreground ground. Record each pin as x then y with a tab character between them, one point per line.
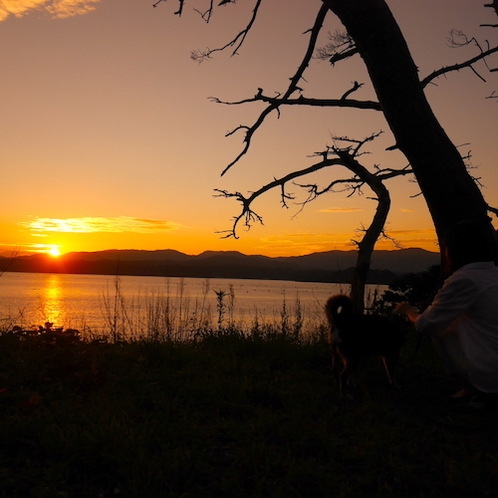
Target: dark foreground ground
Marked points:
231	417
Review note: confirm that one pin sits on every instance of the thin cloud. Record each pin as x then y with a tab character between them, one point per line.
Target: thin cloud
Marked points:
424	237
120	224
340	210
295	235
8	250
59	9
414	231
305	243
289	247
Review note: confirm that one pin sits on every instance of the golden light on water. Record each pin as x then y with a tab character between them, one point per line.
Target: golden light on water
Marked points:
51	304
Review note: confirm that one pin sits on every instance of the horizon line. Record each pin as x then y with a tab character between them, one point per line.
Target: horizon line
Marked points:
7	255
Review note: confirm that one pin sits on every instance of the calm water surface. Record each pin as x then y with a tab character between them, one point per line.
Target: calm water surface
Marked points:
95	302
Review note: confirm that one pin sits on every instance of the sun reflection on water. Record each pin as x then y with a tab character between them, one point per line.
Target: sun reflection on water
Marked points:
51	301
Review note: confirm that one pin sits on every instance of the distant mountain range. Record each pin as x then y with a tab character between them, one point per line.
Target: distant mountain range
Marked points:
330	266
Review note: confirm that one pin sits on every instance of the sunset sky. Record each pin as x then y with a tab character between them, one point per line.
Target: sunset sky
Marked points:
109	139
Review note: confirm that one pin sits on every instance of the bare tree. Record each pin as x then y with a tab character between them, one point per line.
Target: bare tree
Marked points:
371	33
433	157
346	156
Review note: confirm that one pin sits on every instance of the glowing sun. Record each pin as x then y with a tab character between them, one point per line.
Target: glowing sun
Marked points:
54	252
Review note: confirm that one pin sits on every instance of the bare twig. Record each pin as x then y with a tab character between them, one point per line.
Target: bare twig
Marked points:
11	260
236	42
340	47
468	63
206	15
180	6
315	30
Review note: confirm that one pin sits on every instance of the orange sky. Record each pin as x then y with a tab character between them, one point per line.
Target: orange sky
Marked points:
109	140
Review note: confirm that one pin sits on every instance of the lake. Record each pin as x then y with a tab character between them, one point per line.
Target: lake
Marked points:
101	305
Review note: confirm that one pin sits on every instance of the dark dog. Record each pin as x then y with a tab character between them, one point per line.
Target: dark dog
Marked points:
353	335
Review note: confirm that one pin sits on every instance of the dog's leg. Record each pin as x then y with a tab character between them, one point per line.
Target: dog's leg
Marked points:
350	365
337	364
389	364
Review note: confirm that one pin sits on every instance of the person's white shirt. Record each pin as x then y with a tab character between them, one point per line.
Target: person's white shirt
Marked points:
467	305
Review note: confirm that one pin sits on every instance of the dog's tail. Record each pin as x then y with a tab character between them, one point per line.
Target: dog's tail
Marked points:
337	307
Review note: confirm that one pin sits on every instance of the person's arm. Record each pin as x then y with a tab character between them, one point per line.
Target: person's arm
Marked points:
453	299
407	310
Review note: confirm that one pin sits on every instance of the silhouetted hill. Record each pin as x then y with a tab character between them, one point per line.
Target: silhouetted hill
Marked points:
401	261
330	266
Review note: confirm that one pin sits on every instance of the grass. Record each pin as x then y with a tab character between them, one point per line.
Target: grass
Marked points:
171	314
230	415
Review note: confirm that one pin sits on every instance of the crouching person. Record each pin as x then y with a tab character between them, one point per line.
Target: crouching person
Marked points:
462	321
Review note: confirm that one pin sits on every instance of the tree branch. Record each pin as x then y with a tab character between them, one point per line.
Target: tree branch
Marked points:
467	63
315	30
457	67
301	100
199	56
206	15
248	214
493	210
493	5
341	158
180	6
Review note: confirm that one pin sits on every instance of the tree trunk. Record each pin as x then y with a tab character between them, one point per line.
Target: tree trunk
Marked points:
372	233
365	250
450	192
